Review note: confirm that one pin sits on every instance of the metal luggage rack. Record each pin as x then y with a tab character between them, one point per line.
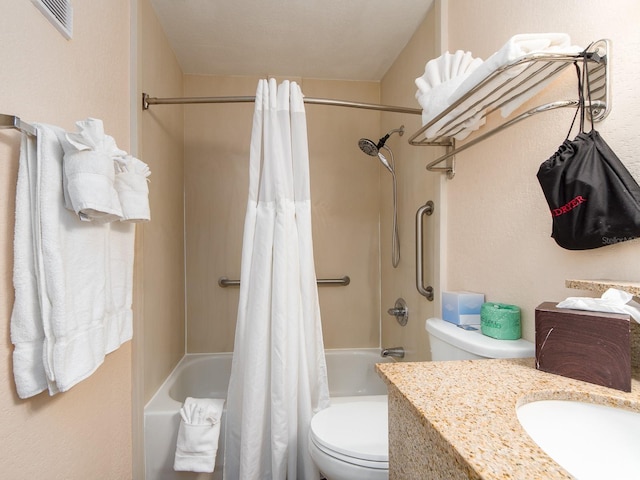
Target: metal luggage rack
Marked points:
536	68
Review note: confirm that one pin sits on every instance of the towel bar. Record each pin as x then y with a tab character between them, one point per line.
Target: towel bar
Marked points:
224	282
11	121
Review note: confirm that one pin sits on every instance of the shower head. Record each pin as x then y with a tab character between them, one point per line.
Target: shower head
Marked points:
371	148
368	147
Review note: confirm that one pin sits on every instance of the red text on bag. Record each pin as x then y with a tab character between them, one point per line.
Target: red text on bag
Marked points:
567	207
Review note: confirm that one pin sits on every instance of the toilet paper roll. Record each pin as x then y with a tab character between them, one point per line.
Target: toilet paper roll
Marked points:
501	321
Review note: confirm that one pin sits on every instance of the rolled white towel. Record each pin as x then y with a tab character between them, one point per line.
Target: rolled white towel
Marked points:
89	174
198	435
131	183
442	76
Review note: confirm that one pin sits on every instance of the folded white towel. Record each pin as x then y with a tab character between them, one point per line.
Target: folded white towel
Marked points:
516	47
133	190
73	279
89	172
198	435
27	333
442	76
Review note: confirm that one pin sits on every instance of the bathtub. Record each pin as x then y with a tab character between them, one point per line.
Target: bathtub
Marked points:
351	373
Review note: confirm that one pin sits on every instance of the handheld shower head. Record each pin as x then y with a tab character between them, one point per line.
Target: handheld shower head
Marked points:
373	149
368	147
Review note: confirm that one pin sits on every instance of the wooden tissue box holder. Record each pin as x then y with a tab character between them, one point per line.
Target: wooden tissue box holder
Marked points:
591	346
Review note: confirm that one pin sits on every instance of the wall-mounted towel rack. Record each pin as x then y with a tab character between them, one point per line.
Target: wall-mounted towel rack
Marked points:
224	282
536	68
11	121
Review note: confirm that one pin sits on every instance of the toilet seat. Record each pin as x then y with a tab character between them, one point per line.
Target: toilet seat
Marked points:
355	432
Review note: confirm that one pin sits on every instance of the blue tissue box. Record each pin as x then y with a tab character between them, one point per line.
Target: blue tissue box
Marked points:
462	308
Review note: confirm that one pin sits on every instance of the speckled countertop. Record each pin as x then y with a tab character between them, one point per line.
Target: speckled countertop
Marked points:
472	405
601	285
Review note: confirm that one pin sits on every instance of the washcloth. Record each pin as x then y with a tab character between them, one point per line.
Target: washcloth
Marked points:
611	301
133	190
73	279
89	172
198	435
442	76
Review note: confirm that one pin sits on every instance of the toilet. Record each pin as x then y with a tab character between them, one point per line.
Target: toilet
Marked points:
349	439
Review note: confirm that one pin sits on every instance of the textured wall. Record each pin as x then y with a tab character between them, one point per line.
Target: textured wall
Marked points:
498	224
415	187
162	145
86	432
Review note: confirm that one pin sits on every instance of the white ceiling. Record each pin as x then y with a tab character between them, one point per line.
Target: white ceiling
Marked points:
330	39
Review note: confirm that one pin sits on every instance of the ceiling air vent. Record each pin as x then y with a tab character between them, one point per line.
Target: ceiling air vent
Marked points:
59	13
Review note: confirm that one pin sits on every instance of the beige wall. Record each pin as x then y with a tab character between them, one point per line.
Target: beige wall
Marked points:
498	223
86	432
161	334
415	187
345	195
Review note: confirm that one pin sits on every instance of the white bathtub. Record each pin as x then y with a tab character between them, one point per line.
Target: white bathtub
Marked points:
351	373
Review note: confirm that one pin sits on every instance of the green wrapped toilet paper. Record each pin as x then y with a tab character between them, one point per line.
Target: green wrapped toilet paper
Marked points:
501	321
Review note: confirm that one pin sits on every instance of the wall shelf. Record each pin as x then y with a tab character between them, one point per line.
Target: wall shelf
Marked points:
498	90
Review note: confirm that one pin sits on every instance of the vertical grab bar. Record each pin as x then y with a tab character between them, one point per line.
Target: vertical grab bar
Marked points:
426	209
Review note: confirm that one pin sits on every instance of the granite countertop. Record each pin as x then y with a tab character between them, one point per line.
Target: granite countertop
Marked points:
601	285
472	405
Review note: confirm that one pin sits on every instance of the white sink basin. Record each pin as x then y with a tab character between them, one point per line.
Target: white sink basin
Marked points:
590	441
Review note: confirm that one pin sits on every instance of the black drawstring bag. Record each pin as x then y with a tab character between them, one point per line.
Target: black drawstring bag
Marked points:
593	198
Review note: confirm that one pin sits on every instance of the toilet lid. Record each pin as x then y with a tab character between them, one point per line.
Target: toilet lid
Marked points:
357	429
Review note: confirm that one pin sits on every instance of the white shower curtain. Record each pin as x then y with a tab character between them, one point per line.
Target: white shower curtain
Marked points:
278	376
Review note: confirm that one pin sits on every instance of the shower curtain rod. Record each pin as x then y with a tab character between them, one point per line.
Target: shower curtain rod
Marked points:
147	101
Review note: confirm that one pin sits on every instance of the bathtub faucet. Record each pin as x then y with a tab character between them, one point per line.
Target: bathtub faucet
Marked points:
397	352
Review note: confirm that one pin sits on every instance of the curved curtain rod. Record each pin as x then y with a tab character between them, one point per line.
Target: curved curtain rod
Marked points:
147	101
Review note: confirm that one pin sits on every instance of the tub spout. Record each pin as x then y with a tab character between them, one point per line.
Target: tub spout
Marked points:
397	352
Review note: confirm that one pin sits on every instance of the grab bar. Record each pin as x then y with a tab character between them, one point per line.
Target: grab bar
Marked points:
224	282
426	209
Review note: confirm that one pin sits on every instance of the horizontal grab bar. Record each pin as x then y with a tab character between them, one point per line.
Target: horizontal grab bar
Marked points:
224	282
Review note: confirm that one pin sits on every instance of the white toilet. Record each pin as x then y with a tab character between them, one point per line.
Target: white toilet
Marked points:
349	440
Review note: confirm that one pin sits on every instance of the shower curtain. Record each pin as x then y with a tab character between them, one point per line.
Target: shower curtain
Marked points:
278	375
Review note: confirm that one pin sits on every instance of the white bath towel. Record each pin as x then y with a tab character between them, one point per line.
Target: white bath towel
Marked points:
442	76
89	172
27	331
83	273
198	435
131	183
515	48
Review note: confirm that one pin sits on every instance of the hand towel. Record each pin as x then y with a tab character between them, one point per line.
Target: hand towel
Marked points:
89	172
198	435
133	190
442	76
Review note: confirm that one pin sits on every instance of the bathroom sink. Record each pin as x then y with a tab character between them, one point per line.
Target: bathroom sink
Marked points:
590	441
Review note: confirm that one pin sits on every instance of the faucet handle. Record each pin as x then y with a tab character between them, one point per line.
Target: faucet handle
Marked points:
400	311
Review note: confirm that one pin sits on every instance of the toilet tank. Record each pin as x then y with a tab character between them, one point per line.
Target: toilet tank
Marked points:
450	342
